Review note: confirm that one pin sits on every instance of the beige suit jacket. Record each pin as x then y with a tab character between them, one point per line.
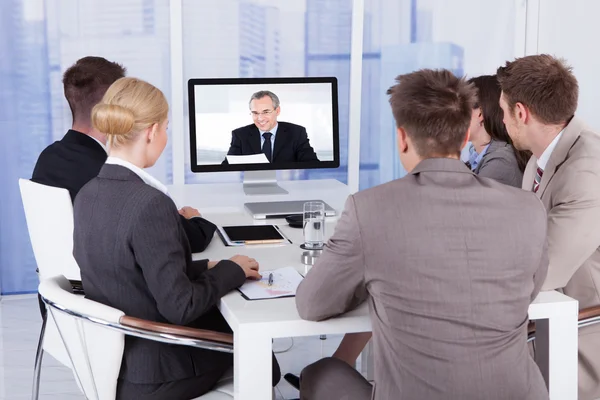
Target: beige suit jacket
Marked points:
570	191
449	263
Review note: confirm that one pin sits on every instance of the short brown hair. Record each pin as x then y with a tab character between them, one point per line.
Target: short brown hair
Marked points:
86	81
434	107
544	84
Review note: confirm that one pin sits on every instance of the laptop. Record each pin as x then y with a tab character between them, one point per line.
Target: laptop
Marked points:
281	209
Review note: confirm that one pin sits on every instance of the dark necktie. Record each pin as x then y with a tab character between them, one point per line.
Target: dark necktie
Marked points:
266	148
537	179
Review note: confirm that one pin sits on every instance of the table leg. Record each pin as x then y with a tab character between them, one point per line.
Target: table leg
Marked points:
252	364
556	353
367	367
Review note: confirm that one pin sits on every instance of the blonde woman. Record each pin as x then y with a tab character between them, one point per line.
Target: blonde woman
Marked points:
134	254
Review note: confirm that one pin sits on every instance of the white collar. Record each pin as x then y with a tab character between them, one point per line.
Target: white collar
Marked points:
100	143
545	157
273	131
146	177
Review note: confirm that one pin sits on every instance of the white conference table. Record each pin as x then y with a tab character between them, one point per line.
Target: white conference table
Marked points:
256	323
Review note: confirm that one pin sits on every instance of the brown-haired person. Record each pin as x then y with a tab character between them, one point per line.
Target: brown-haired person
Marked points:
448	297
72	161
539	99
492	154
134	255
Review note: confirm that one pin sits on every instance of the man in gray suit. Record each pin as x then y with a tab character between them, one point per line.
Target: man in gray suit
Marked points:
447	261
539	98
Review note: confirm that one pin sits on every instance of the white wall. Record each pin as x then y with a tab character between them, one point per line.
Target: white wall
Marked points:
570	30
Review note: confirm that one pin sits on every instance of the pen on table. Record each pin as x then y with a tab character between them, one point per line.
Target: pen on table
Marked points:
270	279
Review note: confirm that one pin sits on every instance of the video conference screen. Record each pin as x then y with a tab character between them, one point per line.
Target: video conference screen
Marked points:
240	124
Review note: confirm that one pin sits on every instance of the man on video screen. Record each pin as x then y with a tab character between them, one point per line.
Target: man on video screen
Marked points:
280	142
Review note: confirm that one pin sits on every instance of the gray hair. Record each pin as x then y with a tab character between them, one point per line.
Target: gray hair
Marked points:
264	93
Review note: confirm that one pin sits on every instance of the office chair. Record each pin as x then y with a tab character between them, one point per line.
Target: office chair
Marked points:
49	216
93	335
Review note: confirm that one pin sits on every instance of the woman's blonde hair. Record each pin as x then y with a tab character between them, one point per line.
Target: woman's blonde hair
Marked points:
129	106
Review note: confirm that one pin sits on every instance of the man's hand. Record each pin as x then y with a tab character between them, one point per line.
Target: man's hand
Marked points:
248	265
211	264
189	212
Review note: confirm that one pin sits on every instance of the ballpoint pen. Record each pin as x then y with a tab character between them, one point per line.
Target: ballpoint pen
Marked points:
270	279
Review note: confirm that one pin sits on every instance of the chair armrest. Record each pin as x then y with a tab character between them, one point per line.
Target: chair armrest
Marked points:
170	329
589	312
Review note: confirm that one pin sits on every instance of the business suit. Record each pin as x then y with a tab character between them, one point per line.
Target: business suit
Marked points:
134	256
73	161
448	296
500	163
570	191
291	143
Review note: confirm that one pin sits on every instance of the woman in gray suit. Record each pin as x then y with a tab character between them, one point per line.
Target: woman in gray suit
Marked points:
492	154
134	254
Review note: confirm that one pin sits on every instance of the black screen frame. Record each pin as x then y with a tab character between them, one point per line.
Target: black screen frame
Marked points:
192	83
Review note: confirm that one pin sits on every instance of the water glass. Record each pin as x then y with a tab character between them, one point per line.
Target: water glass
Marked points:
314	224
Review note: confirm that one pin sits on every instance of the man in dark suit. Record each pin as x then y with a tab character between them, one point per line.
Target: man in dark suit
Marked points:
72	162
280	141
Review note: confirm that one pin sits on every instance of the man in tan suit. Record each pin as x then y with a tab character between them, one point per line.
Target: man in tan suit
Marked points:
539	99
447	261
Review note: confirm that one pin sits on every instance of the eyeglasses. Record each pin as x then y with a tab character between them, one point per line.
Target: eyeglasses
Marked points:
255	114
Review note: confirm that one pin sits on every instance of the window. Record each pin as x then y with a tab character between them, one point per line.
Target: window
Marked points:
39	40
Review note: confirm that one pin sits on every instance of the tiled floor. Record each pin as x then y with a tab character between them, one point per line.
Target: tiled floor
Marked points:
20	324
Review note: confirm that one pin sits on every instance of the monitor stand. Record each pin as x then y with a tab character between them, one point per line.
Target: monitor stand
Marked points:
262	183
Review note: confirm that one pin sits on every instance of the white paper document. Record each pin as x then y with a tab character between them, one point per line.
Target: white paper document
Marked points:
285	283
250	159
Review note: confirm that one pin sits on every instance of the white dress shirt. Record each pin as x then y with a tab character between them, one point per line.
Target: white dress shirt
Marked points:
543	160
146	177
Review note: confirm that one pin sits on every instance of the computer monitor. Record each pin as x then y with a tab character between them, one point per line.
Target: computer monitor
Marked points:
260	125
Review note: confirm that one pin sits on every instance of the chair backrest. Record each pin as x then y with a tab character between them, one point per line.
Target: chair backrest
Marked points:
49	215
95	350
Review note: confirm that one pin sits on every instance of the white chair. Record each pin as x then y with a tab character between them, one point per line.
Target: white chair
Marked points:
94	336
49	216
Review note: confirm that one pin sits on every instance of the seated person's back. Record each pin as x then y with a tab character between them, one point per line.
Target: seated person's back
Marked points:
74	160
448	262
448	266
134	255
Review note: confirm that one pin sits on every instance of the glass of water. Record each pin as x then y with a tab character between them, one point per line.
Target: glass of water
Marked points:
314	224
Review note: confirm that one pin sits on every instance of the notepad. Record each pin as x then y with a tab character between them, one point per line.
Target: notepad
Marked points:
250	234
285	283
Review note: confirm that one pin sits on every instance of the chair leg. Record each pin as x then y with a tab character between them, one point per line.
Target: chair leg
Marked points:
38	361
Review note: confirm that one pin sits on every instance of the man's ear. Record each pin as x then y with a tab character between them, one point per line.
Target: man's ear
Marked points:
277	111
522	113
402	142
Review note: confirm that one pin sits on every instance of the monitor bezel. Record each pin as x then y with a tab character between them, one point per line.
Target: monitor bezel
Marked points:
335	163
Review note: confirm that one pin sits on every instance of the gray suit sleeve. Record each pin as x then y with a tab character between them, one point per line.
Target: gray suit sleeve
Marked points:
540	275
502	169
336	284
163	259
